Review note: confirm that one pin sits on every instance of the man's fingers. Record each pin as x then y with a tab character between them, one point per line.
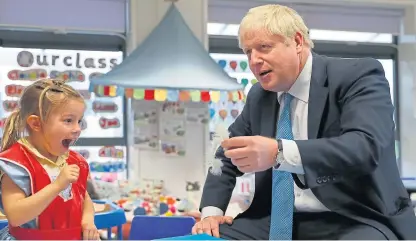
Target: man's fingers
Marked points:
235	142
237	153
245	161
206	227
216	231
244	169
228	219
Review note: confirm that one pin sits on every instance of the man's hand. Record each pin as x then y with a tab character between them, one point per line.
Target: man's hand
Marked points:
251	153
211	225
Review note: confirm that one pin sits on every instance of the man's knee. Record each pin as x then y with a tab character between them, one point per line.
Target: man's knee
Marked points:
227	232
362	232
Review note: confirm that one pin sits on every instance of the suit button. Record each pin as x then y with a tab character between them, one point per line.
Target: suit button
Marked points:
319	180
325	179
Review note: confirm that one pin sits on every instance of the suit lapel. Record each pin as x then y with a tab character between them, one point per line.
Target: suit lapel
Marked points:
318	94
269	115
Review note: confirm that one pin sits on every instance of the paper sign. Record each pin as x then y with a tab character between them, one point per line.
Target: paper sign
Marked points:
104	107
106	123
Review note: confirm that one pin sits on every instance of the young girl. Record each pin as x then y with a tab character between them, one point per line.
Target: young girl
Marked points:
43	183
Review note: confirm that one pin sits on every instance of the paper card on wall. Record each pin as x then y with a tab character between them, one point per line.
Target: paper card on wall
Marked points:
14	90
176	148
143	141
106	123
145	117
86	94
10	105
2	122
173	110
197	115
145	124
94	74
104	107
31	74
172	129
68	75
111	151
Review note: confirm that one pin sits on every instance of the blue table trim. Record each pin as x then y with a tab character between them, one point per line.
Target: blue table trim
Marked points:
113	218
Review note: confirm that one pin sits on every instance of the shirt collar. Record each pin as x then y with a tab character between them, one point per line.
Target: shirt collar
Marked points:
60	160
300	89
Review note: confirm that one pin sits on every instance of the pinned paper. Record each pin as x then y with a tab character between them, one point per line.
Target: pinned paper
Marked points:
244	82
222	63
233	65
107	123
243	65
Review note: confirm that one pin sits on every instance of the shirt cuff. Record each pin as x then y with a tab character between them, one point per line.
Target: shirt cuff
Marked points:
211	211
292	161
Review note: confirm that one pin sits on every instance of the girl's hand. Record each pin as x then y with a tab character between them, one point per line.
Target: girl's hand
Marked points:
90	232
68	174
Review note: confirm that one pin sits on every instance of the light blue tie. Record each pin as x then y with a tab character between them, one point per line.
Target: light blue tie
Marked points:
282	193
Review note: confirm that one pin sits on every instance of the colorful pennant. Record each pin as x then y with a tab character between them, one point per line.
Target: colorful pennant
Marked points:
172	95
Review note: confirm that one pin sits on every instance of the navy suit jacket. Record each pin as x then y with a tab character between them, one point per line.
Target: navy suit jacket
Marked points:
349	159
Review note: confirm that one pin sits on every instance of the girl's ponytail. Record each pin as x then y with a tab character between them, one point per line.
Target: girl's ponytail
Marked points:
12	130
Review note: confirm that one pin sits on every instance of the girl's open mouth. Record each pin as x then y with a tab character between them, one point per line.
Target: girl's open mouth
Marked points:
67	142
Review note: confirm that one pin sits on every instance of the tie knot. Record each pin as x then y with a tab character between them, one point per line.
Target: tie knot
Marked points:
287	98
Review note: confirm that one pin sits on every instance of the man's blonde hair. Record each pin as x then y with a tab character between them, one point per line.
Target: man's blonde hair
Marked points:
276	20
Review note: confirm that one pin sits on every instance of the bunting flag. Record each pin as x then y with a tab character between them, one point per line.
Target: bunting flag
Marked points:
171	95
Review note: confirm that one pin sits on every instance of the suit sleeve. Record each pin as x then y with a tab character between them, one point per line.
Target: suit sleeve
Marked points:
367	128
217	190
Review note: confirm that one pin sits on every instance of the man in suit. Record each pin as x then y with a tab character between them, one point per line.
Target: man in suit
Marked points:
318	133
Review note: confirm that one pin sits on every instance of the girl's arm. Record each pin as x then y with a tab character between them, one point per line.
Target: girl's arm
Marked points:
20	209
88	211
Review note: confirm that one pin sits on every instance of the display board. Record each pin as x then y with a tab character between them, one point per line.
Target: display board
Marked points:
170	141
103	116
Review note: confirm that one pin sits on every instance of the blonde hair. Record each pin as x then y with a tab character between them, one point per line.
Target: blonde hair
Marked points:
276	20
39	98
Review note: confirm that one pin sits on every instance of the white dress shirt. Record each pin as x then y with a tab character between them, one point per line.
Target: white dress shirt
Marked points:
305	200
